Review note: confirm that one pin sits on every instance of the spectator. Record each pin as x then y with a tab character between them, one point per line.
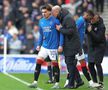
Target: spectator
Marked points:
53	2
30	43
22	38
46	1
11	28
84	6
99	6
7	12
72	6
28	26
15	44
60	2
90	5
23	11
36	14
36	34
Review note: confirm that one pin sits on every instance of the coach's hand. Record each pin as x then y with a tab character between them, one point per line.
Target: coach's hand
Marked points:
58	27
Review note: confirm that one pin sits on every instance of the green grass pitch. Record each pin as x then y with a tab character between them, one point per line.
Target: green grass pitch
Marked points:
7	83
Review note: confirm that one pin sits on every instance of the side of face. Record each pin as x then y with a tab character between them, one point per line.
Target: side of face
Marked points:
95	19
9	24
55	12
87	16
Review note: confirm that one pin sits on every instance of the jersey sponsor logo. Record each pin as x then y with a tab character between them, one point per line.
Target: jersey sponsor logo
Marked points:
47	29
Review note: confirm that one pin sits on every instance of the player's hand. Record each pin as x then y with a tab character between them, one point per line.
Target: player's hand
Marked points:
38	48
60	49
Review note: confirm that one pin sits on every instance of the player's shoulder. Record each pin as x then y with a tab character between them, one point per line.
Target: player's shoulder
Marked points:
54	18
80	19
42	19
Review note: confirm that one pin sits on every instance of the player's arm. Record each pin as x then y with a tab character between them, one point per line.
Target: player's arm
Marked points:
61	40
40	38
79	23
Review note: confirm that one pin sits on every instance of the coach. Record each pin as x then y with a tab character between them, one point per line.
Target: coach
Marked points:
72	44
96	47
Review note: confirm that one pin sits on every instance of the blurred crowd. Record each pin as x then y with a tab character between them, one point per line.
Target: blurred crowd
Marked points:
19	21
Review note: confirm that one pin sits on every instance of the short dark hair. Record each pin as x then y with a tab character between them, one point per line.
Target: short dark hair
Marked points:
91	13
46	6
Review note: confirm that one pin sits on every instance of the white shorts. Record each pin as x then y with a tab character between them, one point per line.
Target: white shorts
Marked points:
80	57
44	53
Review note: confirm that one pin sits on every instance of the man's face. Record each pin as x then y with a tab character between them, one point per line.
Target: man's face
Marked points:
55	12
46	13
95	19
9	24
87	16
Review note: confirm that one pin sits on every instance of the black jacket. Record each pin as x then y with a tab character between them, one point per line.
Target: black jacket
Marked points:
96	42
71	37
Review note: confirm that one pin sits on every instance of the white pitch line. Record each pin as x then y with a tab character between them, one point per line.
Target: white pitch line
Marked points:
22	81
26	83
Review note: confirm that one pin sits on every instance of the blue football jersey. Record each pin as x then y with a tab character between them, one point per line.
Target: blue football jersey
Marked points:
49	38
81	26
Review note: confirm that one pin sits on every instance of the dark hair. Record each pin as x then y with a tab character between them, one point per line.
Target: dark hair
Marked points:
46	6
91	13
